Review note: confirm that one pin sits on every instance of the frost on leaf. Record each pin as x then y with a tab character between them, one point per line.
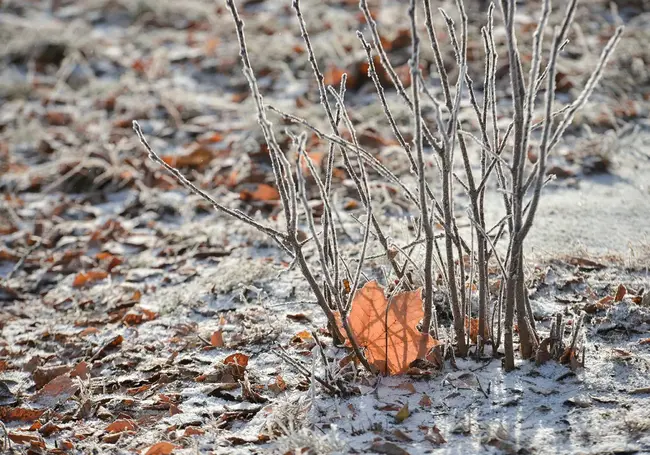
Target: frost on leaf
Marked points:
161	448
388	329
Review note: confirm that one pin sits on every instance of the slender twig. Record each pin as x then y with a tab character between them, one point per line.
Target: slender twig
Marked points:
284	355
273	233
397	83
429	314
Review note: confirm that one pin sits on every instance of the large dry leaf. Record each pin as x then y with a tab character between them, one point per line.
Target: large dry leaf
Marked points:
55	392
389	332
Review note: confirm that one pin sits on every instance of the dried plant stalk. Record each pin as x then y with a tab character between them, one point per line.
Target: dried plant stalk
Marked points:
522	210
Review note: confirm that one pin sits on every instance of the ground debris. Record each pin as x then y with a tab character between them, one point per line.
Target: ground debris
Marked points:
133	319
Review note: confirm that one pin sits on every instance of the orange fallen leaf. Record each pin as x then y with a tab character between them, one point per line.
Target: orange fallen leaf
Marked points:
116	341
620	293
25	438
238	359
113	343
121	425
123	122
88	331
239	97
231	180
606	300
49	429
388	329
302	337
210	138
141	65
198	158
138	316
131	319
91	276
278	385
210	45
408	386
563	82
66	445
109	260
316	159
193	431
237	367
56	391
7	256
103	256
400	40
174	409
161	448
351	205
111	438
585	264
570	357
8	414
471	325
333	76
36	426
137	390
43	375
404	73
148	314
263	192
58	118
216	339
80	371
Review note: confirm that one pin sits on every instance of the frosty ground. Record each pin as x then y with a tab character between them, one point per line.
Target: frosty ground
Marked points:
115	281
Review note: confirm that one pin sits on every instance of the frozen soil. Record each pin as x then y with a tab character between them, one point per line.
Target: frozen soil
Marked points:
121	297
166	377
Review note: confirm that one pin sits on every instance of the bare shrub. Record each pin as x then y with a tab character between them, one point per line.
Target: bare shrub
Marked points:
502	162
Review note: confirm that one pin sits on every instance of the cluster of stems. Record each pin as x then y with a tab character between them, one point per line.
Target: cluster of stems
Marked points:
501	164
